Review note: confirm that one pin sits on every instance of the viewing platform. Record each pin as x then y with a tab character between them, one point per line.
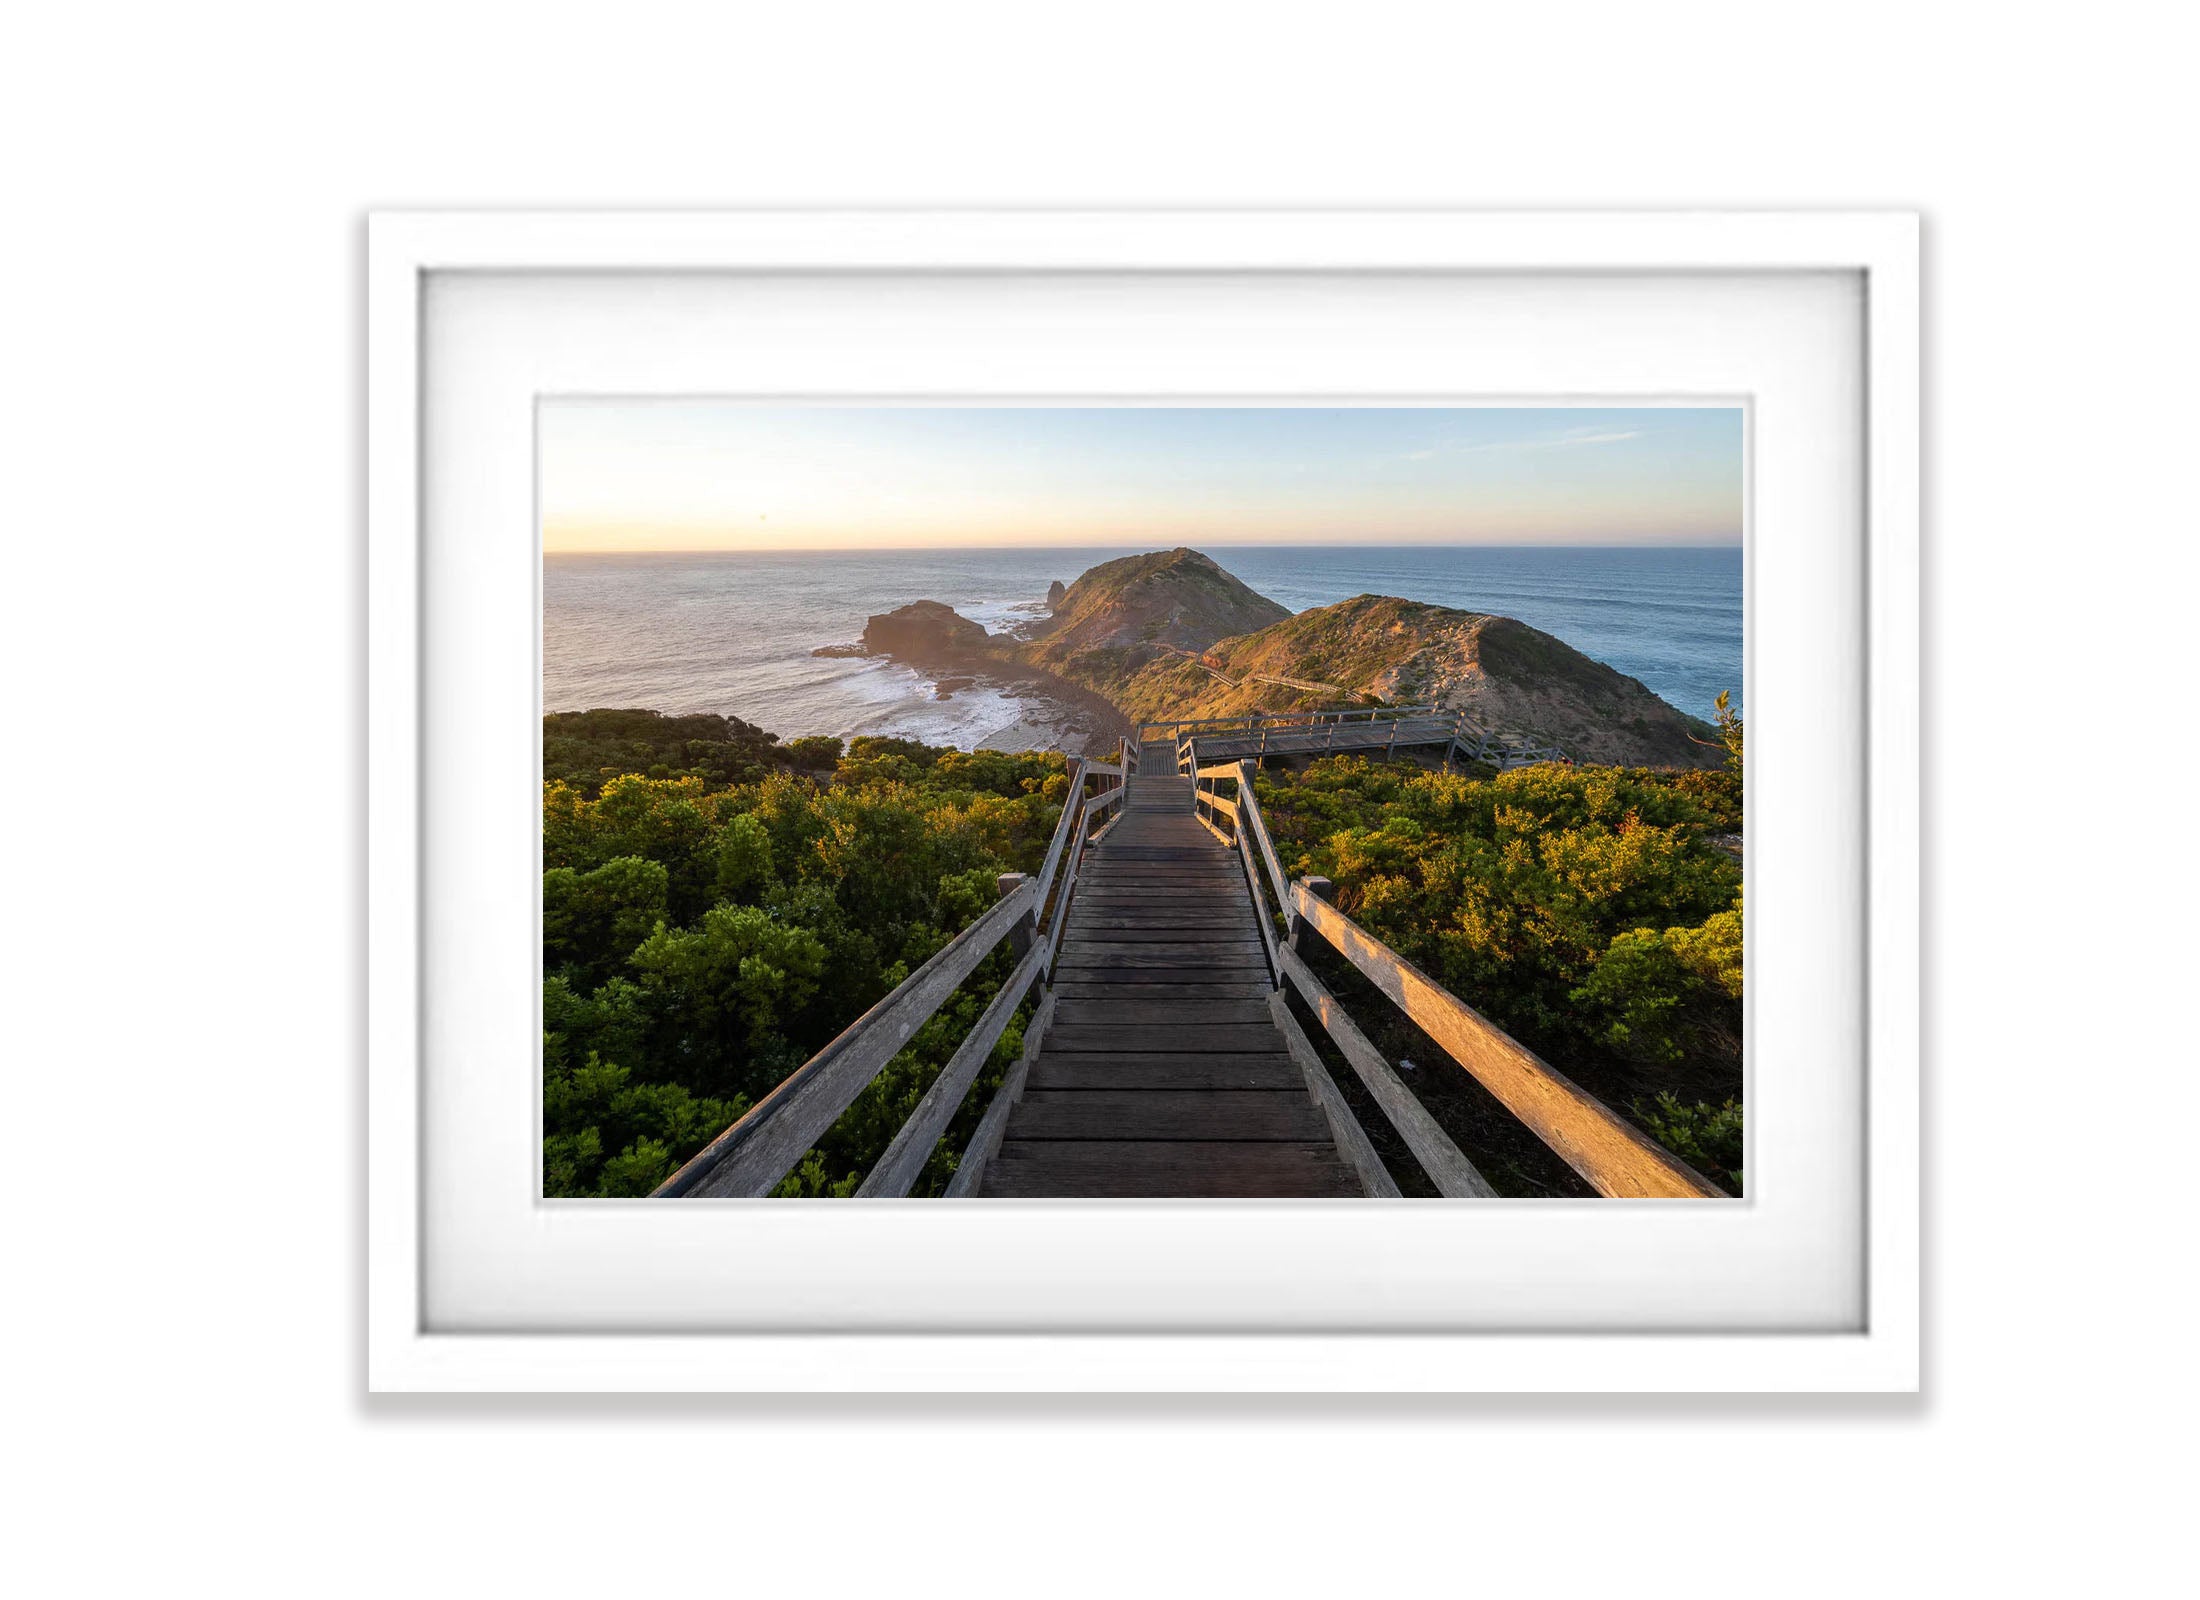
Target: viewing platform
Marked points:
1381	730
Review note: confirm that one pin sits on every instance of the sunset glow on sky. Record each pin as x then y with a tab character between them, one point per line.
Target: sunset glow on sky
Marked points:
626	474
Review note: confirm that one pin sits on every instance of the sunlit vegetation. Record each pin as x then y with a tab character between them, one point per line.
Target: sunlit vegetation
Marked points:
703	936
584	748
1593	912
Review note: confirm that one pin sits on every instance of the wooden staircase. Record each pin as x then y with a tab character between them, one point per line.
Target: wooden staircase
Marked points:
1164	1072
1160	1059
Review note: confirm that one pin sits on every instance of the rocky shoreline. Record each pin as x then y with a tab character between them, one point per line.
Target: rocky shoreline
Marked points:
1170	633
932	639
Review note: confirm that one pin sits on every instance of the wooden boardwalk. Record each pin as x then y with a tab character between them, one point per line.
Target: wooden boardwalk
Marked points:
1164	1072
1401	734
1161	1059
1381	736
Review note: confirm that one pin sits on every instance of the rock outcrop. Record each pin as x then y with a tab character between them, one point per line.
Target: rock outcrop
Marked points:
924	630
1172	635
1123	614
1505	675
1057	591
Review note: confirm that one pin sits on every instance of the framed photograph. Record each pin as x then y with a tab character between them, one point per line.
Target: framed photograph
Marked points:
1053	801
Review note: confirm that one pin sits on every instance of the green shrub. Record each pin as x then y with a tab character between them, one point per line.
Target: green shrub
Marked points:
1580	907
700	941
1707	1137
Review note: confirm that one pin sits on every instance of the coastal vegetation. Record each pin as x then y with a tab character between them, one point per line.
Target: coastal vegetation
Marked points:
584	748
717	906
1595	913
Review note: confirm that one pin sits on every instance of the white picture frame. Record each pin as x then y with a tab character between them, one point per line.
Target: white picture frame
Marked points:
1680	1350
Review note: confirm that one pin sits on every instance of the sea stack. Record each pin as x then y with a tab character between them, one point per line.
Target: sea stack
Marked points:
1057	592
924	631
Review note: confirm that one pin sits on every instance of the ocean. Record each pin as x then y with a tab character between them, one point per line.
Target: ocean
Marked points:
732	633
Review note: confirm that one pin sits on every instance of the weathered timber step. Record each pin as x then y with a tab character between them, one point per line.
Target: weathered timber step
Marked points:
1251	1012
1161	958
1184	1038
1177	1169
1104	946
1232	1115
1164	963
1208	871
1138	990
1147	892
1137	978
1162	913
1213	888
1118	933
1154	1069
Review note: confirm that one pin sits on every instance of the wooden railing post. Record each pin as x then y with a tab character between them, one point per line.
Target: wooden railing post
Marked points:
1321	889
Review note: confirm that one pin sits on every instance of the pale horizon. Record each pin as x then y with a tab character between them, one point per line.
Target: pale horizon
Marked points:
698	476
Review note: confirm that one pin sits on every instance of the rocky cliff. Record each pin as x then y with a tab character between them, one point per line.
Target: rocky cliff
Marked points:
1172	635
924	631
1505	675
1124	614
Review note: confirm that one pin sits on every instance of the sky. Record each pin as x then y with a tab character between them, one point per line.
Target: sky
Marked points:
628	474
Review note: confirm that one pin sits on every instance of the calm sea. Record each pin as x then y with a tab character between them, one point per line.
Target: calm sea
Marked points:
733	633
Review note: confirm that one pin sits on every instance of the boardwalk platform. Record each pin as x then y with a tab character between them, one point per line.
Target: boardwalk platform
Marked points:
1377	731
1164	1072
1403	734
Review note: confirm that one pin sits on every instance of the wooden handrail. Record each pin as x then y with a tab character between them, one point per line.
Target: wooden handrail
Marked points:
1277	881
985	1143
748	1159
1614	1157
1260	901
1574	1123
897	1170
1086	810
1352	1140
1447	1166
1070	804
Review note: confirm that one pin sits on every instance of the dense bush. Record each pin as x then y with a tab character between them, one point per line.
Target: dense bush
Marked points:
1593	912
584	748
1707	1137
701	940
1515	891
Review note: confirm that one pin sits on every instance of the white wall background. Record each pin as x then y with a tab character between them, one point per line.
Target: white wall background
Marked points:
181	500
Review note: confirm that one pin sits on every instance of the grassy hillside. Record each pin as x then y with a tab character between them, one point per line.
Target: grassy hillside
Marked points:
1123	615
1507	676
